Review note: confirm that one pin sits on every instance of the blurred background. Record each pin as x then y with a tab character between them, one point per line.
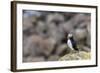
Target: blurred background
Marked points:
45	35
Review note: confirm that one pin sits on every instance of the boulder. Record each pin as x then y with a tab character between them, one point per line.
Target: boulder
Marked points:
62	50
80	34
53	58
34	59
55	17
37	45
42	29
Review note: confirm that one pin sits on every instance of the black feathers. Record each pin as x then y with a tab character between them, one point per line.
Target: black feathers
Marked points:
74	44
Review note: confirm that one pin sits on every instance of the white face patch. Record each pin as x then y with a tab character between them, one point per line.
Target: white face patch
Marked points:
70	35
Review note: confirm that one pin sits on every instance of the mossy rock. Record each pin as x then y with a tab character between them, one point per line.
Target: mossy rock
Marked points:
76	56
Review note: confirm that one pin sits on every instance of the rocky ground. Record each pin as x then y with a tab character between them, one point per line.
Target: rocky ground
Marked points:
45	35
82	55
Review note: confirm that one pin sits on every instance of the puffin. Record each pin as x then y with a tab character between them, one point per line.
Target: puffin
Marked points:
71	43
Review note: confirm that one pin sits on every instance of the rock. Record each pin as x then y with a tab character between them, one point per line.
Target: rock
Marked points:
27	46
29	26
88	41
38	59
76	56
55	17
69	15
42	29
36	45
85	48
62	50
78	18
80	34
67	26
34	59
53	58
76	21
82	25
89	27
27	22
27	59
29	13
56	33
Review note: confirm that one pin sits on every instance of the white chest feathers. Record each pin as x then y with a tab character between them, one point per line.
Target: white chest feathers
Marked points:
69	44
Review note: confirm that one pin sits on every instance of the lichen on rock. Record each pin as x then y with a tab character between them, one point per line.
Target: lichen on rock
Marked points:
76	56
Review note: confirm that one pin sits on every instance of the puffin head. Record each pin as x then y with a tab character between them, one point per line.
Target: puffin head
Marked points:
70	35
